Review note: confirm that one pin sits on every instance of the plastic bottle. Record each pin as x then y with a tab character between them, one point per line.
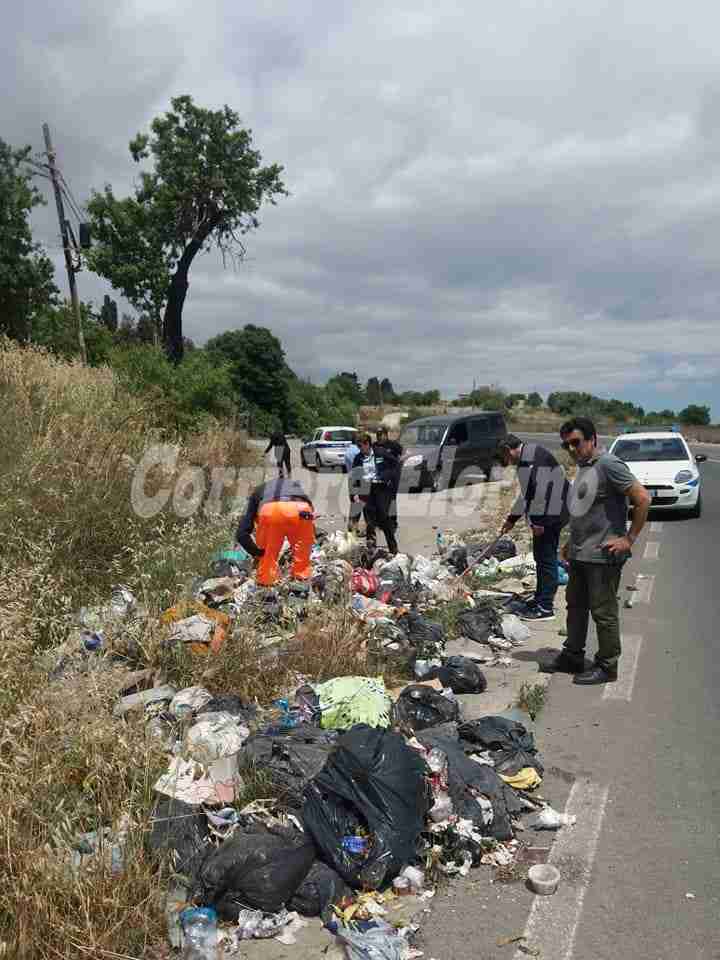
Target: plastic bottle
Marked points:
440	542
199	925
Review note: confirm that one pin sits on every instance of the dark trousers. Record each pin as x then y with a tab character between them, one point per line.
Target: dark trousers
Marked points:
354	513
592	589
545	549
377	507
283	463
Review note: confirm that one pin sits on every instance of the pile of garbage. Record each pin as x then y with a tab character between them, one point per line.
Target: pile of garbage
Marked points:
368	793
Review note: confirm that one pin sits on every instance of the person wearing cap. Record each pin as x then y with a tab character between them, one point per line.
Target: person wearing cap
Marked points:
382	440
277	511
543	501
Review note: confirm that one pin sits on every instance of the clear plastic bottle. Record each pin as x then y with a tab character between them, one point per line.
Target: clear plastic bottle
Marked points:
199	926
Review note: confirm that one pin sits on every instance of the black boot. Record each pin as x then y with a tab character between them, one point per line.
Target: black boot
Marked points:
598	674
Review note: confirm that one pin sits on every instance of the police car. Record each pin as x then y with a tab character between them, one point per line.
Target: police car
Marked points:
664	464
326	447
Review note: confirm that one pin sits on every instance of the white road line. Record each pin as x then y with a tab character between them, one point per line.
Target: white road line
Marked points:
645	589
553	921
622	689
652	549
656	526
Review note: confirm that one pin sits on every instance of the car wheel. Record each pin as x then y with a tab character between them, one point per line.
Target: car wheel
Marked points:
697	509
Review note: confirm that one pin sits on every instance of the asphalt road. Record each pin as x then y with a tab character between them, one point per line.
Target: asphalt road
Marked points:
639	763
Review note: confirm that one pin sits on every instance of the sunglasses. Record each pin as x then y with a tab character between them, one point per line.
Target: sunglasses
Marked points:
575	444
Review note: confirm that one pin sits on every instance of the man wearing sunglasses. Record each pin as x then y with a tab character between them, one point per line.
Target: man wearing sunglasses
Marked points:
598	547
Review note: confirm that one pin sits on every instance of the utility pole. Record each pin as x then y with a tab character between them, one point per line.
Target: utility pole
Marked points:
65	233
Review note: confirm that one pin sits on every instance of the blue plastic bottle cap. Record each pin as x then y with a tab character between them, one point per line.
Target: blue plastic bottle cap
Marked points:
198	913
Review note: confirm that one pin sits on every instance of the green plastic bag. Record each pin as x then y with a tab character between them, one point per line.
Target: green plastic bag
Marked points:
345	701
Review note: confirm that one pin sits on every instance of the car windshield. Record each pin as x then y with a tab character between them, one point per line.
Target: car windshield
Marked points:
649	449
338	435
423	434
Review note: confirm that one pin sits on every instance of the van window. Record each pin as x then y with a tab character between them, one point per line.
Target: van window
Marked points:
459	433
423	434
479	429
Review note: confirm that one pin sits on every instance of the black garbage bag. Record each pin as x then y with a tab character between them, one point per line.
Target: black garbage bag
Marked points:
258	867
511	746
289	759
457	558
182	831
229	703
320	889
426	636
461	674
466	779
373	781
419	707
480	623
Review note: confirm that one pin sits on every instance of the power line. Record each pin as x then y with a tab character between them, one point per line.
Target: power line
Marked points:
80	211
73	209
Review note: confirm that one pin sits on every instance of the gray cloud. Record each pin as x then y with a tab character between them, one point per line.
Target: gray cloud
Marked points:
525	194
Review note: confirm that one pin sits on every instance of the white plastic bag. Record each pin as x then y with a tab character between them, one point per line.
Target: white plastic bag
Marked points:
514	629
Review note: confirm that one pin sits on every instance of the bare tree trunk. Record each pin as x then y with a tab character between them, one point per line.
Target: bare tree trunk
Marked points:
172	321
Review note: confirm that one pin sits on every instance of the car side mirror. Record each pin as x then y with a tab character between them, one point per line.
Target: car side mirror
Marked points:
700	458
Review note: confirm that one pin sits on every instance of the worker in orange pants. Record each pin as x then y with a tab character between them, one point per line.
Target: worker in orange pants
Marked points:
277	511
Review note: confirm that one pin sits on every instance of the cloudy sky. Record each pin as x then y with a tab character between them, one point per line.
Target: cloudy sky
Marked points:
525	193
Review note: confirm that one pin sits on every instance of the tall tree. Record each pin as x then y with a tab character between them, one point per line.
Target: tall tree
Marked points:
346	385
109	313
534	400
372	391
695	414
205	190
26	273
258	371
387	393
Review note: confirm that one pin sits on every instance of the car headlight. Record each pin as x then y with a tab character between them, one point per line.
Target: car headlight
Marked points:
414	461
684	476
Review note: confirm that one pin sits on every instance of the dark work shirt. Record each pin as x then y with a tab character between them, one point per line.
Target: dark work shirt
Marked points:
278	489
544	488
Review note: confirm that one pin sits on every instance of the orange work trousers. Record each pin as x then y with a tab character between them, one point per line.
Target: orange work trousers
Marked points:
276	522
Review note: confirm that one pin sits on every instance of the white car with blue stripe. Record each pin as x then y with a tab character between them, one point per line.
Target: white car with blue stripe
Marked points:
326	447
666	467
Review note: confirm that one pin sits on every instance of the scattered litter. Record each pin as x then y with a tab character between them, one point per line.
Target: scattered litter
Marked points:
549	819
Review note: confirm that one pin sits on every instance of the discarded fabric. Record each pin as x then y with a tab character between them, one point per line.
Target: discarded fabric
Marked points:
346	701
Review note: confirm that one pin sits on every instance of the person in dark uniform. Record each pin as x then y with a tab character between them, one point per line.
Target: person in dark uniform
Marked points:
395	449
374	480
282	453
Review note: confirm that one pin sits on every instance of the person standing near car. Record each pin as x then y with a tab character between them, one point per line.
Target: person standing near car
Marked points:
543	500
356	507
382	440
282	453
599	545
373	480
